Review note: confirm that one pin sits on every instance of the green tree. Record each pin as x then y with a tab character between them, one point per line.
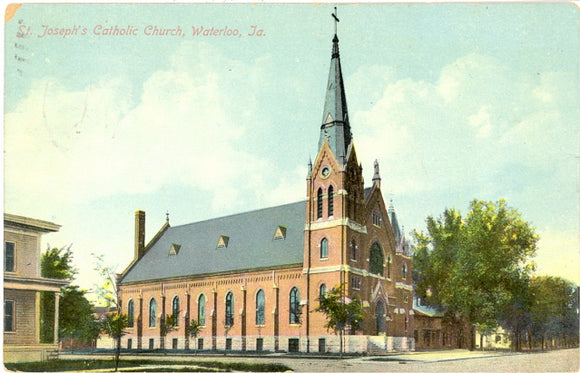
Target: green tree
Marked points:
114	325
476	267
167	325
340	313
194	328
553	303
76	319
115	322
57	263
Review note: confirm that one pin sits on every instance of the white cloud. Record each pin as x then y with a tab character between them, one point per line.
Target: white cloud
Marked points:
481	121
189	126
457	132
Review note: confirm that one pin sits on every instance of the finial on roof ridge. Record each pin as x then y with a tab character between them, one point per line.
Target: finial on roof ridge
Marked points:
377	175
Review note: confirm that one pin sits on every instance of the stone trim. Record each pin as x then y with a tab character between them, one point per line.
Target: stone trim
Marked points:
318	225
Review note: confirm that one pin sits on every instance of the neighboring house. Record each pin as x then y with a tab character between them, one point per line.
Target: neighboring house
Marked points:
253	280
500	339
23	287
434	330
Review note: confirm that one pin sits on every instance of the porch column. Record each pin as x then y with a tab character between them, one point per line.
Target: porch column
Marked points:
56	302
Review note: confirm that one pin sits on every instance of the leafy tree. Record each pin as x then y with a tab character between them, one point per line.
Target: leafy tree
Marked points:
107	290
76	319
57	263
115	322
553	304
340	313
167	325
477	267
194	328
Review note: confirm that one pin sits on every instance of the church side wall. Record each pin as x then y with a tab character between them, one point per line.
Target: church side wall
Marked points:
276	333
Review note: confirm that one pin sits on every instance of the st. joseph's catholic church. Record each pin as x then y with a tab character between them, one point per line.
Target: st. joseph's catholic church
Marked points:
253	280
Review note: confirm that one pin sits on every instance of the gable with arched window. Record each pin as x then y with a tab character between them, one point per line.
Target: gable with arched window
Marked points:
324	248
229	309
260	308
319	203
330	201
175	309
376	260
152	313
294	306
201	310
131	313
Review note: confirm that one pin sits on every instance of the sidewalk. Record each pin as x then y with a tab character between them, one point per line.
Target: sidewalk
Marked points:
438	355
417	356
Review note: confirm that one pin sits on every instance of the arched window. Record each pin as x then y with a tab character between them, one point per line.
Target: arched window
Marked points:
324	248
322	291
376	260
175	309
404	270
131	313
294	306
319	203
152	313
353	250
230	309
330	201
201	310
260	308
380	317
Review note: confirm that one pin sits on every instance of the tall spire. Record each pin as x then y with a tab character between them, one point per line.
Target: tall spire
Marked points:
335	126
394	222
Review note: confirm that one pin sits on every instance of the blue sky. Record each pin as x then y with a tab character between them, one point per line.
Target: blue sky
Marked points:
456	101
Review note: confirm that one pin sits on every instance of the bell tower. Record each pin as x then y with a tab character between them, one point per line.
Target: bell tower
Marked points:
348	237
335	196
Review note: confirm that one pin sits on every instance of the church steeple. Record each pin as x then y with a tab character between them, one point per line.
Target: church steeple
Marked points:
335	123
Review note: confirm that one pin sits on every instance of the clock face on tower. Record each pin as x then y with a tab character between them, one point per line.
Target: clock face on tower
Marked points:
325	171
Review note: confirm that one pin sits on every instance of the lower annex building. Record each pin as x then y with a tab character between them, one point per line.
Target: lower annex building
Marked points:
253	280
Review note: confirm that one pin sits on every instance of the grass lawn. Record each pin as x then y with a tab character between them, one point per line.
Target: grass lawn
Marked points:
142	365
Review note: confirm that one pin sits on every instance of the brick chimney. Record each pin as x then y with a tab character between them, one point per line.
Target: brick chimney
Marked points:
139	234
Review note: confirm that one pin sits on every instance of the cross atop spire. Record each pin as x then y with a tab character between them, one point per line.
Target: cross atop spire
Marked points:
336	20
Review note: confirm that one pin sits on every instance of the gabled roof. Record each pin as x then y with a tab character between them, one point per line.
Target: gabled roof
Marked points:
251	245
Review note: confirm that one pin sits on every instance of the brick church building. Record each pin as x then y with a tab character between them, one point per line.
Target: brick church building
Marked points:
253	280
